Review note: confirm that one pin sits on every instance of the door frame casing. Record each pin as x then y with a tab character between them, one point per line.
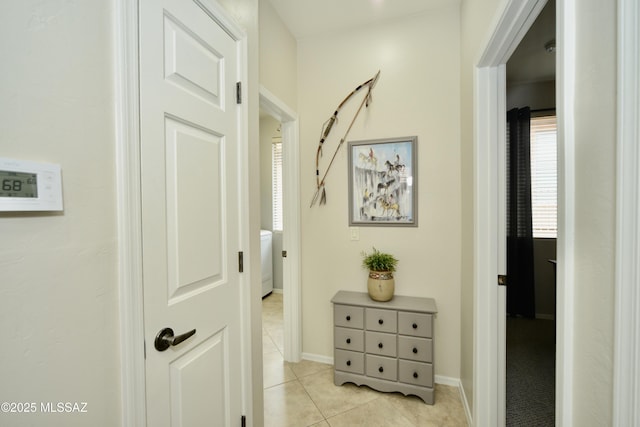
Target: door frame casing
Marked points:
489	370
626	379
129	215
291	222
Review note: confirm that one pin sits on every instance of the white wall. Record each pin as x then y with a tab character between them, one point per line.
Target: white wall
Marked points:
58	274
279	75
476	20
278	56
278	261
595	136
536	95
417	94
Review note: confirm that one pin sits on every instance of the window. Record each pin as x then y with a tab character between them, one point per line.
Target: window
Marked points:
276	182
544	201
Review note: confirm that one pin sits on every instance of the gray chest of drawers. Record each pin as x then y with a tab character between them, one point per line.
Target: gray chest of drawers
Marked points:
387	346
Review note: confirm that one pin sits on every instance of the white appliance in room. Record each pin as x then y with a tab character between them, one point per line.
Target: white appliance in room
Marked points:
266	252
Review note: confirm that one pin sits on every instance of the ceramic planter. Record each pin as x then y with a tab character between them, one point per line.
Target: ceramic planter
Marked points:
381	285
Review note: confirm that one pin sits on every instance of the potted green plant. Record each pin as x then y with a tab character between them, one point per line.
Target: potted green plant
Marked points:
381	266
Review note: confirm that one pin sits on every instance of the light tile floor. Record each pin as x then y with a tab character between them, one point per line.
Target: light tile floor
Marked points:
303	394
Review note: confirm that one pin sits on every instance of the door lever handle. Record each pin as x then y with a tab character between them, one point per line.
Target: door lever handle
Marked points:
166	339
502	280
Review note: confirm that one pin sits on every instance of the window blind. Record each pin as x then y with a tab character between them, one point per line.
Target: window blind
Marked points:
544	172
276	182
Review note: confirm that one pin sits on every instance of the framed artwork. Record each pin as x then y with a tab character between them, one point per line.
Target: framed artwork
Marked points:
382	182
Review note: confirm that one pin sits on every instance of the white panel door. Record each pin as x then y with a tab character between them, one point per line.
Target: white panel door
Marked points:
189	162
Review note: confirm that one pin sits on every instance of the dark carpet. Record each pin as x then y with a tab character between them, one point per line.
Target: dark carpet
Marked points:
530	372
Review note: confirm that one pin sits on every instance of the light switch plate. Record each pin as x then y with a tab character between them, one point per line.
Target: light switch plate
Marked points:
354	233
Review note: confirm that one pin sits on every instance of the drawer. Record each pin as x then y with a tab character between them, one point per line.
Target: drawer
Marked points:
381	320
416	324
348	316
380	343
385	368
349	361
420	349
348	339
416	373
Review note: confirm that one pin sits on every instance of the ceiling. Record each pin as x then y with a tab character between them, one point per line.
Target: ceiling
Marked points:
530	62
306	18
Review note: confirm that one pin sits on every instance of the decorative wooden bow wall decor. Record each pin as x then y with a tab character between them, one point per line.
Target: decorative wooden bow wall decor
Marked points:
326	129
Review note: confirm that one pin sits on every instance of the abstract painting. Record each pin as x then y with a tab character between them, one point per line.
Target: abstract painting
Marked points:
382	182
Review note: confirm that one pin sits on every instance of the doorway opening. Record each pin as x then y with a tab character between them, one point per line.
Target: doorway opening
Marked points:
271	252
531	210
274	115
490	109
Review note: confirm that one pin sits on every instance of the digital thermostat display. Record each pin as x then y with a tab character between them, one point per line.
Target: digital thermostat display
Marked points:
18	184
29	186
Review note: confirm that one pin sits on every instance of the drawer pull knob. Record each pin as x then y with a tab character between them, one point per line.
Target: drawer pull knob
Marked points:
415	350
381	369
348	362
415	375
380	345
415	326
348	340
381	321
348	318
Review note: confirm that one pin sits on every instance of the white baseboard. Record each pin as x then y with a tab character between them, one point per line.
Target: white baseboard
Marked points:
276	290
452	382
439	379
455	382
318	358
465	404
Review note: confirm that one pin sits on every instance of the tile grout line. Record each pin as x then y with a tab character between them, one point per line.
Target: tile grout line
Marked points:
314	402
297	377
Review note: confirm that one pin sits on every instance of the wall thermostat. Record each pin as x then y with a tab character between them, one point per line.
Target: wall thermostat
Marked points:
29	186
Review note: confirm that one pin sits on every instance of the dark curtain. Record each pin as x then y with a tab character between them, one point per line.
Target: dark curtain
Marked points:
520	285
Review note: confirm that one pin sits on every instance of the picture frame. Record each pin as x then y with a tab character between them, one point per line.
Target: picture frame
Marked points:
383	182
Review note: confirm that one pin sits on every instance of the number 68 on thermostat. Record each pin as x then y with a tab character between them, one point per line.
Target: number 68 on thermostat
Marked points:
29	186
